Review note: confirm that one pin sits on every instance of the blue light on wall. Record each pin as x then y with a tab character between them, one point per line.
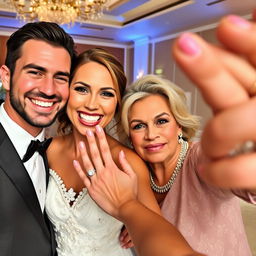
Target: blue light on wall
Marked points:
141	57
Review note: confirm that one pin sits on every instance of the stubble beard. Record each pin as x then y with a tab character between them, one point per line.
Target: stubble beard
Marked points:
15	103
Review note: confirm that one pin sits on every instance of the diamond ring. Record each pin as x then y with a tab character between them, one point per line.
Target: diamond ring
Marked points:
247	147
91	172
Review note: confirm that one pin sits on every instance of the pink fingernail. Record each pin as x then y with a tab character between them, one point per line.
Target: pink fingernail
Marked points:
98	128
75	163
238	21
81	145
89	133
122	153
188	45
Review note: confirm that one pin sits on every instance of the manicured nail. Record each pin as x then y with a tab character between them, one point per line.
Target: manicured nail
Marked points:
122	154
239	22
75	163
188	45
98	128
89	133
81	145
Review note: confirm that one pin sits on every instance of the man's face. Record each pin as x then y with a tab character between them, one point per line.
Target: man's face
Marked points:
39	86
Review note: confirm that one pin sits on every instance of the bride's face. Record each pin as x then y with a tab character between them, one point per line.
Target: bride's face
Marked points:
93	97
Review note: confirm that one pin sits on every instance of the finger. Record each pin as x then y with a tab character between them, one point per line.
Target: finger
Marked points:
125	165
104	147
234	64
125	239
82	175
228	129
198	59
123	234
239	35
94	151
85	158
128	245
231	172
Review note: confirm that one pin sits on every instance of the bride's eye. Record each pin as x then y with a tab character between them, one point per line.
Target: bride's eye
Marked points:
81	89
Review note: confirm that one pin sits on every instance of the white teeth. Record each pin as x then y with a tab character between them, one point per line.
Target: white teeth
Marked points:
42	103
88	118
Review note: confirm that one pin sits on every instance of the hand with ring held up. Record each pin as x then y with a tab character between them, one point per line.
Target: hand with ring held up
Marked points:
108	186
226	77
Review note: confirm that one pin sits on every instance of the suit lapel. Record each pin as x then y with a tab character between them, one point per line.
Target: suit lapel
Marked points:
12	165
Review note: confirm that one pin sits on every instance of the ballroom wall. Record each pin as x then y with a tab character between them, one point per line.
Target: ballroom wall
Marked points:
159	58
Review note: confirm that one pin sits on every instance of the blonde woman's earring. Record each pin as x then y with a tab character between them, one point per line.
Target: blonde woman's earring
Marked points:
180	138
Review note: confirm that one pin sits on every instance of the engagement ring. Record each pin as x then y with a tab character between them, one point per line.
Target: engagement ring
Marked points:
91	172
246	147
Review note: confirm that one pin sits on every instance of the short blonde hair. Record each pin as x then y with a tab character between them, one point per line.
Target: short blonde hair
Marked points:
152	84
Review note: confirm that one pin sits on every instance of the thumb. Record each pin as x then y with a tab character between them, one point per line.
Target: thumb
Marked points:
125	165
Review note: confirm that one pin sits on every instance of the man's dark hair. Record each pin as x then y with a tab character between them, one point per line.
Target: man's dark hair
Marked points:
49	32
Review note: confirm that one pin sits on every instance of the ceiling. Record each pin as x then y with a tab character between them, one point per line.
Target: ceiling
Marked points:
126	21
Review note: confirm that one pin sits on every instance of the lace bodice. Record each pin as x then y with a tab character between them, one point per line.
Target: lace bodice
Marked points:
81	227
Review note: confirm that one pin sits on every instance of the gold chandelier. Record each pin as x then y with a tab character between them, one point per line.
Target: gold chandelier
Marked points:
59	11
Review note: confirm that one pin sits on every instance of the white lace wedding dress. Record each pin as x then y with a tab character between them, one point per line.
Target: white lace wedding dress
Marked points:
81	228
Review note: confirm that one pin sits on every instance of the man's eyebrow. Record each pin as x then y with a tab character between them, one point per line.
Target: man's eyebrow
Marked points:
60	73
40	68
34	67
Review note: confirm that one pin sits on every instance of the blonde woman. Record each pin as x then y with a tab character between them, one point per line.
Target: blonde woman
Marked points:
160	128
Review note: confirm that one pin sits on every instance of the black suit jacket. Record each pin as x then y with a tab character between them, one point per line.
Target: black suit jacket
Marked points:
24	230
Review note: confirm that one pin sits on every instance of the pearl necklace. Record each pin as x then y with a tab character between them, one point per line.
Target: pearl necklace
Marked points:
168	185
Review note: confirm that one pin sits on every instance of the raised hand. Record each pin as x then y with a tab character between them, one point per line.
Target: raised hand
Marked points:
226	77
109	186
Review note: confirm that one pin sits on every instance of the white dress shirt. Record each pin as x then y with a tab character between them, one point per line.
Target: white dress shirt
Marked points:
35	165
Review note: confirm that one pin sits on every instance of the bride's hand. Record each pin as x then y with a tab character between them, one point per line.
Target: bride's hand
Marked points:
226	77
110	187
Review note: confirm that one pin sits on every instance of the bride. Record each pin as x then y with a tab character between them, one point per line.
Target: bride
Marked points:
81	227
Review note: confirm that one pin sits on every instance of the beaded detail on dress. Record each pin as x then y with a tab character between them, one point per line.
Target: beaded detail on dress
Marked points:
81	227
70	195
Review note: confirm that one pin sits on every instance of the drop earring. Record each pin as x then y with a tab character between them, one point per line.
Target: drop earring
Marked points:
180	138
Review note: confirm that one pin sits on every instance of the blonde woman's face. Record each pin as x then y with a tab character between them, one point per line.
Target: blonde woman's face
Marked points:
153	129
93	98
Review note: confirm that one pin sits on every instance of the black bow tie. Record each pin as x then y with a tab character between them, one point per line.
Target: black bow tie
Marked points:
36	145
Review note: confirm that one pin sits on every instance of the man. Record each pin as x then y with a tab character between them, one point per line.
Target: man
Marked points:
36	79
